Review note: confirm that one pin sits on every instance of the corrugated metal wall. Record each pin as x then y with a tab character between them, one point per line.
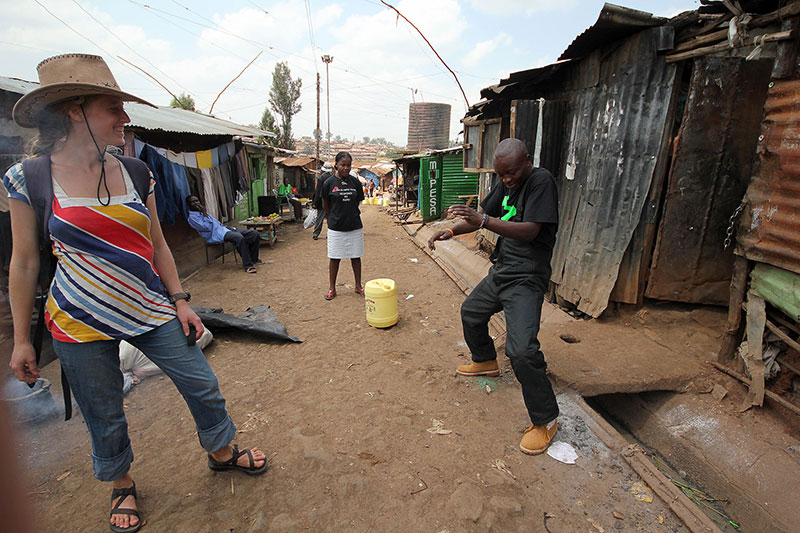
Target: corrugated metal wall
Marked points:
616	134
455	181
769	228
711	167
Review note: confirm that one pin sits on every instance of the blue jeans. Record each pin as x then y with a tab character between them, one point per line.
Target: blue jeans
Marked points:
95	379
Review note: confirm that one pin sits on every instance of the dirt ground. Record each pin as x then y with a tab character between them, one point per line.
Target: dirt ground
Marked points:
344	417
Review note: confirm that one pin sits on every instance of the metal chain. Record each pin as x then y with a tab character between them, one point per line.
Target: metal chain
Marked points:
732	225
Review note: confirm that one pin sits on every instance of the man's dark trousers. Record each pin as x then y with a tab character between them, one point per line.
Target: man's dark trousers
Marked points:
246	241
521	299
321	216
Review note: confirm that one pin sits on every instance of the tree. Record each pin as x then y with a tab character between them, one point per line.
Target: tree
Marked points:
184	101
283	99
268	124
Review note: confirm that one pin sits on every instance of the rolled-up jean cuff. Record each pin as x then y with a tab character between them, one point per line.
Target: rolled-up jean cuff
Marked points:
111	468
219	436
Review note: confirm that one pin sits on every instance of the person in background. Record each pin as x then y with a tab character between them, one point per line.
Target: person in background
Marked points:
246	241
522	208
317	202
371	187
288	192
341	194
115	278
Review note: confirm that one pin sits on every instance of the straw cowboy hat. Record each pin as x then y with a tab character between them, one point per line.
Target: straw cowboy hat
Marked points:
68	76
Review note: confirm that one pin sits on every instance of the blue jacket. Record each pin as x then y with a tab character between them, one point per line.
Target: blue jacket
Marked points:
208	227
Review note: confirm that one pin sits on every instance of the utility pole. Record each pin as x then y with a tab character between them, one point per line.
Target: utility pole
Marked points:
317	133
328	60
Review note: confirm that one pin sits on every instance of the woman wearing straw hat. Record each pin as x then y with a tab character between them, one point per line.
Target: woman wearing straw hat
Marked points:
115	277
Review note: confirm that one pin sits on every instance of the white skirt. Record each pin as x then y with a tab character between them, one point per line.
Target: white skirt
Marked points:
345	244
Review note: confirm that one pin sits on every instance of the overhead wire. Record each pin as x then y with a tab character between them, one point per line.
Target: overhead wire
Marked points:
106	52
130	48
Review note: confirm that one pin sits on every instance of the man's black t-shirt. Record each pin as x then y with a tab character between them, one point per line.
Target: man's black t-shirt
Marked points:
343	196
535	201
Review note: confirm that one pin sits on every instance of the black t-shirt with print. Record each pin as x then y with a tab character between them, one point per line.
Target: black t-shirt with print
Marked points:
344	196
535	201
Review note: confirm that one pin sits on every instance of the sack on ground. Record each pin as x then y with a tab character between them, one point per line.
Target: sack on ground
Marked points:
311	219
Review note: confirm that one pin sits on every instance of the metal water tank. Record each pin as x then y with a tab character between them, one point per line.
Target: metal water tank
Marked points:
428	126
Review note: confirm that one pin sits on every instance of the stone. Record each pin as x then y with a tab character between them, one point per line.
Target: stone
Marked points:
282	522
466	502
505	505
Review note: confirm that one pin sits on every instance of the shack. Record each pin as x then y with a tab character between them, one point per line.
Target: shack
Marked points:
444	182
300	173
188	152
650	126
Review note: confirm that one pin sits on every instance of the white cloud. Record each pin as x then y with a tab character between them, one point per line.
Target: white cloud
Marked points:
510	7
484	48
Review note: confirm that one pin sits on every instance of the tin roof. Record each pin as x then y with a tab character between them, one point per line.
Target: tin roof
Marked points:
16	85
294	161
173	119
614	23
164	118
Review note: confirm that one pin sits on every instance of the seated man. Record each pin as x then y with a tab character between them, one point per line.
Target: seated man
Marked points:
286	191
213	232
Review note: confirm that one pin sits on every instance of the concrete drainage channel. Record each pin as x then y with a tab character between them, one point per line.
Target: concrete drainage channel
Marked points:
691	452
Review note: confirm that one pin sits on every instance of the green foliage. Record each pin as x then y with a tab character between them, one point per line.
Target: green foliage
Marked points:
268	124
284	99
184	101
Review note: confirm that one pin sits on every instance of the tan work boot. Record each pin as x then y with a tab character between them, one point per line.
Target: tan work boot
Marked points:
484	368
537	438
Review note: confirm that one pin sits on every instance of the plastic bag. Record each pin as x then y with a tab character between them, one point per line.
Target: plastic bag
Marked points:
311	218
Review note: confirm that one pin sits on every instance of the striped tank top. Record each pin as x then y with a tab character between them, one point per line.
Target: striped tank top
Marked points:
106	286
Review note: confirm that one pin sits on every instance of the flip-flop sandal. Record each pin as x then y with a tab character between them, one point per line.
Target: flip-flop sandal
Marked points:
330	295
122	494
360	291
251	270
231	464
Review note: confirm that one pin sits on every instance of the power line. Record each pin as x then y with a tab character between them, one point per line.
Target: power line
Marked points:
311	35
130	48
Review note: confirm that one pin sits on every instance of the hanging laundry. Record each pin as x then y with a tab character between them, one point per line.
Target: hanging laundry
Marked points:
176	157
230	196
195	178
164	189
204	159
191	159
210	193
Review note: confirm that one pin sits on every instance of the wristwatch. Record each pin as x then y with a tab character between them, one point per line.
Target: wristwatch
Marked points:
180	296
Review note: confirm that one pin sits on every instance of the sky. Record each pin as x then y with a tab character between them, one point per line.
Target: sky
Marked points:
380	64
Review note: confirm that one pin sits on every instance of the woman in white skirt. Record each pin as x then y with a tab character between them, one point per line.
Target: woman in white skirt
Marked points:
341	195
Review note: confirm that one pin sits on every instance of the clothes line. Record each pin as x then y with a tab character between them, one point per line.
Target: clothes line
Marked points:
218	177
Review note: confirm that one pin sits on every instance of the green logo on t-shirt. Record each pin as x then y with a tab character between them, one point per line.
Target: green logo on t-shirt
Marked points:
512	210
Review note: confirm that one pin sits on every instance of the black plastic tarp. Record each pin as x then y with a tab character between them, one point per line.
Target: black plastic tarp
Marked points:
258	320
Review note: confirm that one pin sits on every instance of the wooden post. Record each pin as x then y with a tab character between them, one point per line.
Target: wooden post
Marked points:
786	57
756	320
732	335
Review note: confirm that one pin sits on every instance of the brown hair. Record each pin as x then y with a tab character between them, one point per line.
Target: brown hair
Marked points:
53	124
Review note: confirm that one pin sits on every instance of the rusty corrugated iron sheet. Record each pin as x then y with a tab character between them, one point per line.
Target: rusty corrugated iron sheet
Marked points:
615	134
711	167
614	23
769	228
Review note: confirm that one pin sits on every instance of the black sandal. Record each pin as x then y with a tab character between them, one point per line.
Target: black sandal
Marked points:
231	464
122	494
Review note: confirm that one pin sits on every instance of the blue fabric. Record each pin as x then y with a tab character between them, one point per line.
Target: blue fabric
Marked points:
96	381
215	156
180	184
164	189
208	227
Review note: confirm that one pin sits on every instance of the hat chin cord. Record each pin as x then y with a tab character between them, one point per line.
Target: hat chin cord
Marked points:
102	159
